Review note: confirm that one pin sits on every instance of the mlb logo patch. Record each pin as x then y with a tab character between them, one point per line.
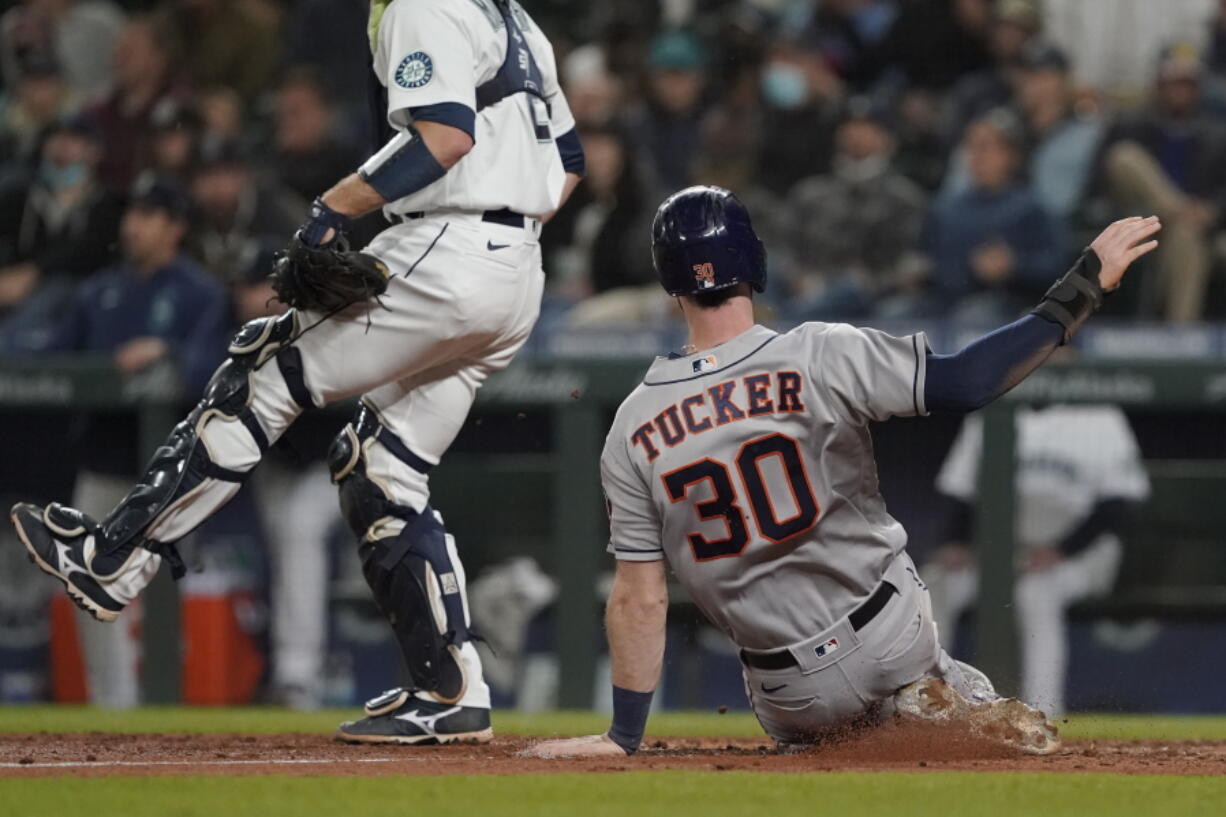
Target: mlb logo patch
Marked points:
827	648
706	364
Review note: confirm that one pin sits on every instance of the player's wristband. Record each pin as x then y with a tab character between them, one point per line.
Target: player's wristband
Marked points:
630	711
402	167
321	219
1076	296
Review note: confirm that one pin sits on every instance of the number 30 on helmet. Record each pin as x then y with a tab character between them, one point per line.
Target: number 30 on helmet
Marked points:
702	241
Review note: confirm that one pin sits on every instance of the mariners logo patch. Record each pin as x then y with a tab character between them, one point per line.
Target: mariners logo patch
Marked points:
827	648
415	70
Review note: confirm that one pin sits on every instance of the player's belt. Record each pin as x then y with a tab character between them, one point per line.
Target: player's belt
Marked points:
505	217
858	618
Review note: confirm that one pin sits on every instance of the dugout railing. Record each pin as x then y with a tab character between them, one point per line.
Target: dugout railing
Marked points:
575	400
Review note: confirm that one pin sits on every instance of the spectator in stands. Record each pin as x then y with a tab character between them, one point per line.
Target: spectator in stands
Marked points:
147	307
331	37
145	90
55	228
921	154
728	152
175	141
849	34
1015	25
79	34
1064	145
801	99
155	308
993	248
853	228
236	207
933	42
308	154
593	93
221	112
666	126
1079	477
594	243
1114	45
226	43
1170	159
40	98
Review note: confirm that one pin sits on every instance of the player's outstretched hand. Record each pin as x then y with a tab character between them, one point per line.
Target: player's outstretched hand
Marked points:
1122	243
589	746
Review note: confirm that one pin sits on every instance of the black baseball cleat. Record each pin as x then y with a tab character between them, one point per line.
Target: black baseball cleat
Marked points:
55	540
397	716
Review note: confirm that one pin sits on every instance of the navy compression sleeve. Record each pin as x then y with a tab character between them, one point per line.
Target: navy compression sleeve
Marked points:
571	151
990	366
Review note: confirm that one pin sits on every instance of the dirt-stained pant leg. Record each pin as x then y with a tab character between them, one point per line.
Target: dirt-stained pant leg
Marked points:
856	679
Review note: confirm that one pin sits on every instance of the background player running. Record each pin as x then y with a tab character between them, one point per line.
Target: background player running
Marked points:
746	465
482	148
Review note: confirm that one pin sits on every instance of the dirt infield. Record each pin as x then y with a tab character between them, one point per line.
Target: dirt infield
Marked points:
891	748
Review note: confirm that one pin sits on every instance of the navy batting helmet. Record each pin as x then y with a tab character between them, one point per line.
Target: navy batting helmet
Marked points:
701	241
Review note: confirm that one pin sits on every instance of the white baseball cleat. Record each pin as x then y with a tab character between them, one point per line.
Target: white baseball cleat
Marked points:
1004	720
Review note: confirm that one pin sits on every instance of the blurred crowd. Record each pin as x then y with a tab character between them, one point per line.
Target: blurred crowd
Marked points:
903	159
911	159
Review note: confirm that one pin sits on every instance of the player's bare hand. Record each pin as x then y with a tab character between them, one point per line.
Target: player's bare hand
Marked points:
589	746
1122	243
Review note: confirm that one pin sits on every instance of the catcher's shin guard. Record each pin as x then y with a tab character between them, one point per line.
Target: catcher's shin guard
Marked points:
207	456
410	563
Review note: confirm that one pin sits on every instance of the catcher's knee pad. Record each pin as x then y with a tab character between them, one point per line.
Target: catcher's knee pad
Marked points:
408	561
208	455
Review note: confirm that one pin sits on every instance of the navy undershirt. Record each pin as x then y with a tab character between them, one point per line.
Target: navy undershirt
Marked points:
990	366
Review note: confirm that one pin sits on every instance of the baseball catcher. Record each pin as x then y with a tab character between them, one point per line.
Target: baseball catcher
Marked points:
459	274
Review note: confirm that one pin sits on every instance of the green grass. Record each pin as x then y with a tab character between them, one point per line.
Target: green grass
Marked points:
671	724
704	794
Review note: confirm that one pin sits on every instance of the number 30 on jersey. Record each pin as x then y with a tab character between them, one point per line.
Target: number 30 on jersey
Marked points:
725	506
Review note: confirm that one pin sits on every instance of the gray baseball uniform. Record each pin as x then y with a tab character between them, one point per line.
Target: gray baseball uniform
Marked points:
750	468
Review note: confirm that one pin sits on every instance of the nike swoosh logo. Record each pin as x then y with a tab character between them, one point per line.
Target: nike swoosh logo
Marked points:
491	246
769	690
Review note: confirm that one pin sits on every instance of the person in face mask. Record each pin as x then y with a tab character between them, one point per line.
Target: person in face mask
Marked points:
801	100
852	228
55	227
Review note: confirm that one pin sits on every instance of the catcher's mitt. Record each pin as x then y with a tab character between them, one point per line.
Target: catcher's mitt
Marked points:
327	279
